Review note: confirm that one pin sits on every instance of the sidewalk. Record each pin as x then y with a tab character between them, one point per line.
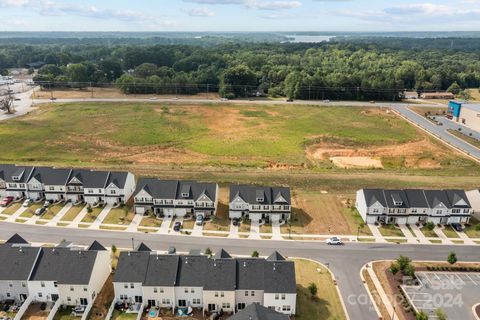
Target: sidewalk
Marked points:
17	214
78	218
233	231
197	230
165	225
406	232
376	233
383	296
465	238
276	231
419	234
103	214
60	215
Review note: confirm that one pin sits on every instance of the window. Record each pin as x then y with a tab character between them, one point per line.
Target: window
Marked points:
226	305
24	284
216	294
165	301
125	286
195	301
414	210
113	191
466	210
161	290
241	306
155	290
186	290
55	284
455	210
40	295
42	284
132	286
375	210
222	294
246	293
51	188
286	308
69	299
283	296
85	289
252	293
10	284
276	296
71	289
192	290
8	294
439	211
123	297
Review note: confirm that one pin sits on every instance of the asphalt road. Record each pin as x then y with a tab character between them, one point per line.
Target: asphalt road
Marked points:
439	131
21	107
345	261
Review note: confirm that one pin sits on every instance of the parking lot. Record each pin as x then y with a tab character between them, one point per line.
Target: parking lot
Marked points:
453	292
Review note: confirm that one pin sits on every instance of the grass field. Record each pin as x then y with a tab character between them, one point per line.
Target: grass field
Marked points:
91	216
450	233
474	142
326	304
428	233
284	137
52	211
151	222
471	230
72	213
119	216
389	230
11	209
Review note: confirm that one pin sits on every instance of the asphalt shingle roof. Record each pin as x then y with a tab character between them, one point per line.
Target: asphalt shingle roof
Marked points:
117	178
250	274
173	189
131	267
256	311
64	266
191	271
220	275
162	271
16	239
6	170
374	195
251	194
280	277
51	176
17	262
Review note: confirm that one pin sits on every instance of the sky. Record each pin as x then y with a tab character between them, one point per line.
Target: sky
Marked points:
240	15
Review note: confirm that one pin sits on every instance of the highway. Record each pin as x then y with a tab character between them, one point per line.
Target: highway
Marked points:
345	261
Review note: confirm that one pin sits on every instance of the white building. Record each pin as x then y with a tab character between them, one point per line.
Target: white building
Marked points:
413	206
260	203
176	198
208	284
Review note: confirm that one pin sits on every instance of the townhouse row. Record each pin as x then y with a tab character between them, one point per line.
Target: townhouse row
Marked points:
58	184
63	274
413	206
212	283
161	197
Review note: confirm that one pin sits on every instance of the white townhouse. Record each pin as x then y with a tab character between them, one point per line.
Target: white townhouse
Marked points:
413	206
70	275
17	261
210	284
176	198
17	182
5	171
474	199
260	203
57	184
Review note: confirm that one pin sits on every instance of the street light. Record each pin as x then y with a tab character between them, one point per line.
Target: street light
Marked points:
133	244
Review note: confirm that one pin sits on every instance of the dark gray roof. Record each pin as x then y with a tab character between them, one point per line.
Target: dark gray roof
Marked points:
251	193
435	197
94	179
96	246
396	199
22	171
17	262
416	198
458	199
80	174
51	176
142	247
117	178
16	239
374	195
191	271
6	170
220	275
256	311
250	274
280	277
222	254
131	267
64	265
275	256
162	270
173	189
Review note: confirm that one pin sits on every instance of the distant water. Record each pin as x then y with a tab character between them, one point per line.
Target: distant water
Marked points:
309	39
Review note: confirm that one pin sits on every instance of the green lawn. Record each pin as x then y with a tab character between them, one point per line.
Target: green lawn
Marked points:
31	210
117	315
188	224
72	213
52	211
64	314
91	216
389	230
121	216
151	222
326	304
428	233
471	230
450	233
12	208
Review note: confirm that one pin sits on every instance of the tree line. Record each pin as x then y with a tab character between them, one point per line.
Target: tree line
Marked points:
356	69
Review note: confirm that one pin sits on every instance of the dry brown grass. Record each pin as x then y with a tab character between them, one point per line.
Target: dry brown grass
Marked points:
103	301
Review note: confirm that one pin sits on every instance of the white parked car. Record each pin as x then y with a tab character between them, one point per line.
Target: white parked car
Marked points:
334	241
27	202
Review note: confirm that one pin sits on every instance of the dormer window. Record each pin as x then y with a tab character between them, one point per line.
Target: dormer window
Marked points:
260	199
185	194
397	200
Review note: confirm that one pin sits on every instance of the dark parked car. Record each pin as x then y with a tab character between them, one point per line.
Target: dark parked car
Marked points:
40	211
172	250
457	227
177	226
235	222
43	306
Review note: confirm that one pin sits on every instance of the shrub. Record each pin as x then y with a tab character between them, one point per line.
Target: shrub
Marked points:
452	258
430	225
421	316
313	289
114	248
409	271
403	262
394	268
255	254
208	252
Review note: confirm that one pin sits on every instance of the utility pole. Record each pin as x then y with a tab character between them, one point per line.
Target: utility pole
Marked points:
133	244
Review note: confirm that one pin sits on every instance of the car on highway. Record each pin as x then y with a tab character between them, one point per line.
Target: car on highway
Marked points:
6	201
457	227
199	220
27	202
40	211
177	226
334	241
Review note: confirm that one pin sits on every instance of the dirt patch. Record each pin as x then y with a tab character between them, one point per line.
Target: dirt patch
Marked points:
417	154
356	162
103	301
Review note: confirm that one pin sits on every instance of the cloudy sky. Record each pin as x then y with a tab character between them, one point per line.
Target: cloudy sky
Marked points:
239	15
